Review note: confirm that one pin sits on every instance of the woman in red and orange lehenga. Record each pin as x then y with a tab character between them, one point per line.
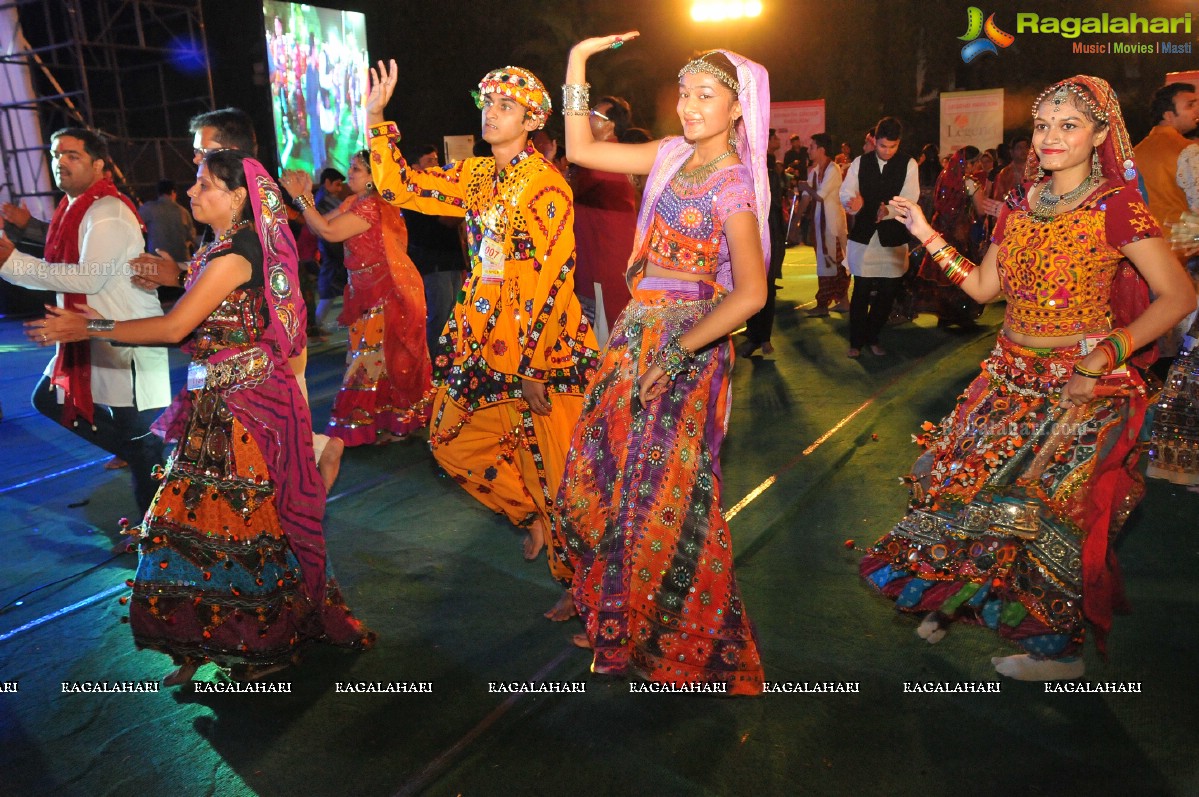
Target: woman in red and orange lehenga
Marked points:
1026	483
388	370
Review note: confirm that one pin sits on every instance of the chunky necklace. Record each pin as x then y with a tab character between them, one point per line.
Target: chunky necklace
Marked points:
207	249
697	176
1048	201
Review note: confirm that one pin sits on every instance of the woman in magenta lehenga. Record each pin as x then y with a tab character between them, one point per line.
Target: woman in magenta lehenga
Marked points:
639	539
232	564
388	370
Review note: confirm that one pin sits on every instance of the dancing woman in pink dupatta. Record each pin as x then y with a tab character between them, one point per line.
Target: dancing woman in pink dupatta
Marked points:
639	539
232	564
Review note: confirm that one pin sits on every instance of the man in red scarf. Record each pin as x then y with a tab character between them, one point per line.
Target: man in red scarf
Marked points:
106	394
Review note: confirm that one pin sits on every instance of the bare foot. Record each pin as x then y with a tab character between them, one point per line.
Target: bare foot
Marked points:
933	628
257	673
181	676
853	354
116	463
330	461
536	539
581	641
768	348
1024	667
841	307
817	312
564	609
877	350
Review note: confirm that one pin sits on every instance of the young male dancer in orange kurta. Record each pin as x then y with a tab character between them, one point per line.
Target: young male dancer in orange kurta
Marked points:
514	358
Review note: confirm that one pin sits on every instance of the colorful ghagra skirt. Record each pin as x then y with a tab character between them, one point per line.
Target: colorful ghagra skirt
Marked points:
1015	504
638	534
217	577
387	374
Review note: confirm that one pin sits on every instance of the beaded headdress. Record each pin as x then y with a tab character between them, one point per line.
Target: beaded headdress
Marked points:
519	84
697	65
1096	96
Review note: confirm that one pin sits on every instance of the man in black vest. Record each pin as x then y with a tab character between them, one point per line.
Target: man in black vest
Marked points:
878	245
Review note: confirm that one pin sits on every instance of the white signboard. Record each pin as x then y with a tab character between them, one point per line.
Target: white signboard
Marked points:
458	148
801	118
971	117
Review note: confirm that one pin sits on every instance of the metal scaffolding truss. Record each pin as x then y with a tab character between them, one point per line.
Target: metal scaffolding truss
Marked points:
133	70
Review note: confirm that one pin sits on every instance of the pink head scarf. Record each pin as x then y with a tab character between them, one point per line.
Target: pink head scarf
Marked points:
753	133
280	261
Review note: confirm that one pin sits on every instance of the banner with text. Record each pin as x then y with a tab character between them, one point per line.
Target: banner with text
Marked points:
800	118
971	117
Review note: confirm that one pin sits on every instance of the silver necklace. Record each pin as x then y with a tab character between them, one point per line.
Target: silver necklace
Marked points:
699	174
1047	201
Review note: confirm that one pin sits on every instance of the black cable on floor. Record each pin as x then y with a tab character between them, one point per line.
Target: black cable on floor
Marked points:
83	572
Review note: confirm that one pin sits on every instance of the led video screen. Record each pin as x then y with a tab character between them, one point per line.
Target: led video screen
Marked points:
318	74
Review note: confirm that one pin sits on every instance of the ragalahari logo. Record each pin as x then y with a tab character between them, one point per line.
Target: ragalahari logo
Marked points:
975	27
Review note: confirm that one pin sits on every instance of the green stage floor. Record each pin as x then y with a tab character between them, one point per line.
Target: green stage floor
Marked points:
816	446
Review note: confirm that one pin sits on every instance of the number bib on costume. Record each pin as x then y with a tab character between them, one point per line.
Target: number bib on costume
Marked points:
197	375
491	256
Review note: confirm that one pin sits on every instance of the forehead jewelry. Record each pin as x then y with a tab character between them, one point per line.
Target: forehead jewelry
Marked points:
700	65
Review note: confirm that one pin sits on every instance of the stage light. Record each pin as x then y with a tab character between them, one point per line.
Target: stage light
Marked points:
721	10
187	55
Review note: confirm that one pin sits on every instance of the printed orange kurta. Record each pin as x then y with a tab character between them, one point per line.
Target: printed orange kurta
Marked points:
519	319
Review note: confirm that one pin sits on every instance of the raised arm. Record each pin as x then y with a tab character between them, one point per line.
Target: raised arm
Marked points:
435	192
583	149
336	227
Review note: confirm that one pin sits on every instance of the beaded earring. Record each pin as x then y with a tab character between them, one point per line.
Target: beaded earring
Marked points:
733	140
1096	167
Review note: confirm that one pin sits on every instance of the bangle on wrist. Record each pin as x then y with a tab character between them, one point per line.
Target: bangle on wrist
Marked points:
576	99
182	277
955	265
1078	369
100	324
929	239
1117	345
303	202
674	358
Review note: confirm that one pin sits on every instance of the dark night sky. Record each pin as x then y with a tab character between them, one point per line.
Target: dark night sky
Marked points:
862	56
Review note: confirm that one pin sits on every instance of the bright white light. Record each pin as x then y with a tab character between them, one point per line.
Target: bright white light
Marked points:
719	10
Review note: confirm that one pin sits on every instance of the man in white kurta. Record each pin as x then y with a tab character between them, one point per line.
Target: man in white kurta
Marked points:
832	290
129	384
